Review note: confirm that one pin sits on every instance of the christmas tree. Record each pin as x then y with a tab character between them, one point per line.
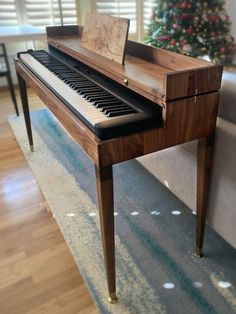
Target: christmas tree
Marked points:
195	28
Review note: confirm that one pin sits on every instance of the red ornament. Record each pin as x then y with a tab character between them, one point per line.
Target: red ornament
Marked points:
166	37
189	31
185	17
184	5
173	42
222	49
175	26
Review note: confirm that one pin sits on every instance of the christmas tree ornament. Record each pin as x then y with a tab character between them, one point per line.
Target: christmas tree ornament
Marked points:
187	48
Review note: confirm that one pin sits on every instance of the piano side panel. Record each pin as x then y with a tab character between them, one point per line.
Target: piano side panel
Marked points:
186	120
192	82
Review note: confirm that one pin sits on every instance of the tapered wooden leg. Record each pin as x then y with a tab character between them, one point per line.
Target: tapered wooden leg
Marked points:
25	106
104	180
204	166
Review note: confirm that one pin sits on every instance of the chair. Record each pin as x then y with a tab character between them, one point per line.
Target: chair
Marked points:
5	72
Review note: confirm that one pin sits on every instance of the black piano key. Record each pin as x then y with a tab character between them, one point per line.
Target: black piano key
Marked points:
120	113
76	83
108	109
94	98
69	75
60	76
100	104
109	104
67	72
111	108
80	88
92	94
78	80
89	90
50	63
65	75
82	84
55	67
65	78
116	108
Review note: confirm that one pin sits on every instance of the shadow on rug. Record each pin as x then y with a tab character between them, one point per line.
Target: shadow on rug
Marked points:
155	232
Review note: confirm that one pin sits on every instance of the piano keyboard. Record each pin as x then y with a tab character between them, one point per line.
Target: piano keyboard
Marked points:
108	115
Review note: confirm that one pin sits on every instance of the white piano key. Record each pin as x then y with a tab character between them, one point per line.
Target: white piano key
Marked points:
85	108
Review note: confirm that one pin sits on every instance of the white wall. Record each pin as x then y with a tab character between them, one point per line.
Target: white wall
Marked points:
231	10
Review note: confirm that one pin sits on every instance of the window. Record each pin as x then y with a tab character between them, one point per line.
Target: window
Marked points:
138	11
148	7
37	12
8	12
68	12
121	8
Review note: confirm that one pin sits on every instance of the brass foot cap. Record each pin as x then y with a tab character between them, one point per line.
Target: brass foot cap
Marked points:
32	148
112	298
198	252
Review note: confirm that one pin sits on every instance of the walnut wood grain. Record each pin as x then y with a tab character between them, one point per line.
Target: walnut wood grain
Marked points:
192	82
104	181
106	35
149	85
64	30
186	119
155	73
168	59
204	167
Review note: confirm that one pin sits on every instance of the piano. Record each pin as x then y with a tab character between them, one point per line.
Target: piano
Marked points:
115	112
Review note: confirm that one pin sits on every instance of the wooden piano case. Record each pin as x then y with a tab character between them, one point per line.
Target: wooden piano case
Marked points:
185	88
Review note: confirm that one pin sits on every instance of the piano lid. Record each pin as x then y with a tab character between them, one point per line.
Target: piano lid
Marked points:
155	73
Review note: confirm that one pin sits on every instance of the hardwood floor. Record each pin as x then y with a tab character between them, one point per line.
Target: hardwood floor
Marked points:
37	271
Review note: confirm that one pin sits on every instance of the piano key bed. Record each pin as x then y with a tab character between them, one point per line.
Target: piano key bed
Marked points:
108	114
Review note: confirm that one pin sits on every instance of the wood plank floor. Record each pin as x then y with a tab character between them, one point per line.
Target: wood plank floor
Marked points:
37	271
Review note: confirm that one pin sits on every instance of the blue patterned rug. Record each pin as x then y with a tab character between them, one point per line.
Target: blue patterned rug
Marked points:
155	232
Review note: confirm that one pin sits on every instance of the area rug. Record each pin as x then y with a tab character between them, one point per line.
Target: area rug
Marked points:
157	271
